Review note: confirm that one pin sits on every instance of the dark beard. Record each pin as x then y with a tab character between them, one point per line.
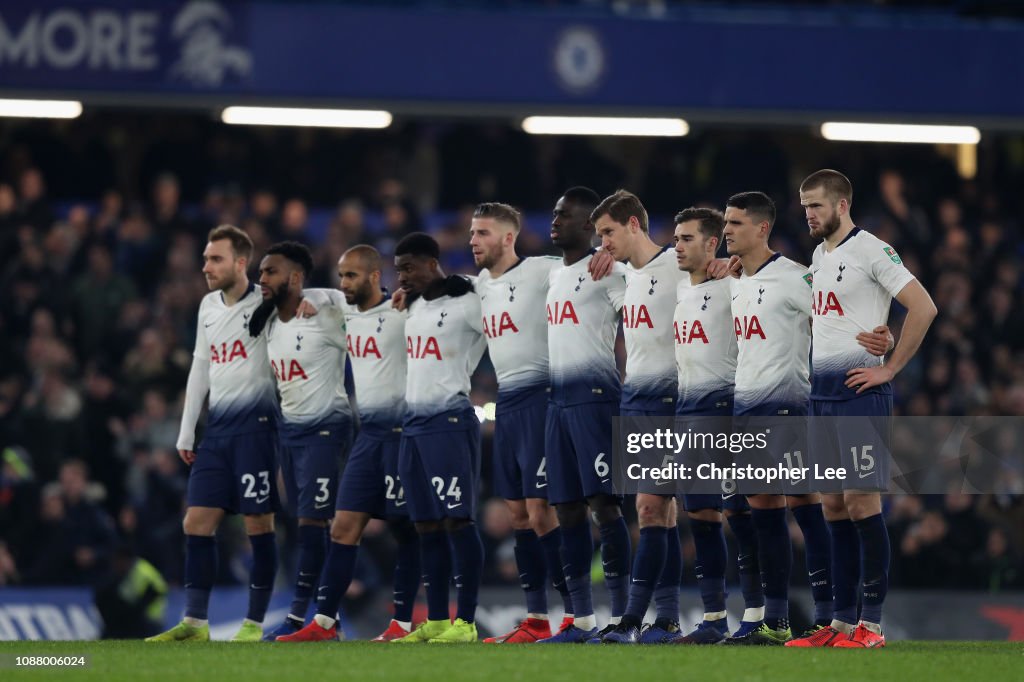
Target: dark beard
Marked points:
828	229
361	296
279	294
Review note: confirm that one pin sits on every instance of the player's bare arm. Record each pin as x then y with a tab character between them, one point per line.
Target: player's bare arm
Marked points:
921	311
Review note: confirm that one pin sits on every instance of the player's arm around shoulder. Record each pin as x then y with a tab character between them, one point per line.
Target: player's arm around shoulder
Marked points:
473	311
314	300
799	284
601	264
332	321
615	285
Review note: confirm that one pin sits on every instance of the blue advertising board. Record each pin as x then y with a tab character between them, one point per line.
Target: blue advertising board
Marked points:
230	51
513	61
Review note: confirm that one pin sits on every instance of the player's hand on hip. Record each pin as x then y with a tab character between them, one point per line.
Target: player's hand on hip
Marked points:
878	341
398	299
720	268
305	309
187	456
864	378
601	265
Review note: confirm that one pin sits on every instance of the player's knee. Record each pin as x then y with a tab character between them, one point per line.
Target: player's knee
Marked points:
707	514
199	522
767	501
428	526
862	505
402	531
571	514
834	507
345	530
605	509
259	524
541	516
455	525
519	515
651	511
794	501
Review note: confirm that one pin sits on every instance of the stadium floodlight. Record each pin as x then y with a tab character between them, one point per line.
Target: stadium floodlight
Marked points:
40	108
595	125
894	132
316	118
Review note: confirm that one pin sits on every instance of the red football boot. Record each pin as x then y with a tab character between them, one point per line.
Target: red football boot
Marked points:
312	633
528	631
862	638
826	636
394	631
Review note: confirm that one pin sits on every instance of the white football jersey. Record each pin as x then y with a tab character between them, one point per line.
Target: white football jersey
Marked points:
583	319
307	356
241	383
854	284
444	341
648	305
771	312
705	345
512	306
376	350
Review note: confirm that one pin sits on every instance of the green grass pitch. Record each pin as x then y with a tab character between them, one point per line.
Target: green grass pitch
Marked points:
133	661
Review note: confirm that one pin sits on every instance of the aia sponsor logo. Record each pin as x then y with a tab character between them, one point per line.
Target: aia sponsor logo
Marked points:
497	325
288	370
358	347
634	316
826	302
689	333
227	354
422	348
562	313
747	328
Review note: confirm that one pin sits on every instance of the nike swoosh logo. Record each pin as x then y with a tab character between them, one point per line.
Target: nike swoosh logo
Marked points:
662	482
208	324
399	504
542	485
453	506
866	473
814	573
261	500
605	480
726	497
321	506
735	297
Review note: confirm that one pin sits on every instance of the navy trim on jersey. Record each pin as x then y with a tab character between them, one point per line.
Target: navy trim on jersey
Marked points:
853	233
655	256
775	256
248	290
514	266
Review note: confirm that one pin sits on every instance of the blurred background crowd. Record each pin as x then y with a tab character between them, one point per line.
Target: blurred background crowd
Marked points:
103	222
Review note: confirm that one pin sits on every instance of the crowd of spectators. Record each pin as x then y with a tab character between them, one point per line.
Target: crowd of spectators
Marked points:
98	311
